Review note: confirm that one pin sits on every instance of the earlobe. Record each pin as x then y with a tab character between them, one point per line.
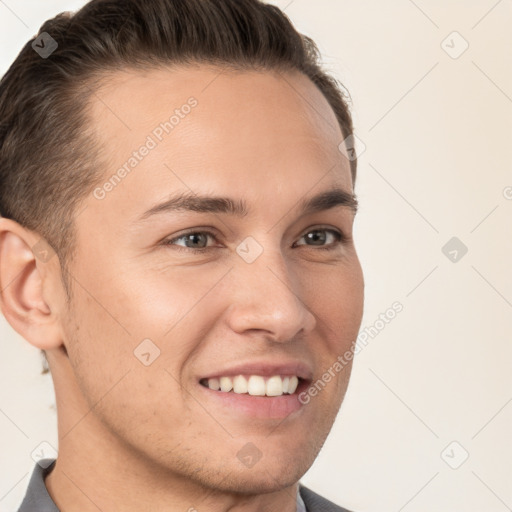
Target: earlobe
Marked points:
22	294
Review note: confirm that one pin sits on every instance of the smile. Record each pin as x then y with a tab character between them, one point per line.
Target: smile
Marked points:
254	385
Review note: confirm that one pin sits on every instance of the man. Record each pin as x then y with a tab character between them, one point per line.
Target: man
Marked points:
177	202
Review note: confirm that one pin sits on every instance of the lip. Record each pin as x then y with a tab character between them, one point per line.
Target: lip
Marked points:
258	407
265	369
255	407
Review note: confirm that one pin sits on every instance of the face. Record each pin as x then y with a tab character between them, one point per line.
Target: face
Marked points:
264	282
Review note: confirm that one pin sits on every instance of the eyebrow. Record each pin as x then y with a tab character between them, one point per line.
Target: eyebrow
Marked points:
211	204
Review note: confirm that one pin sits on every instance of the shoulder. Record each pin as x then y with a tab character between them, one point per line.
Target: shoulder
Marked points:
315	503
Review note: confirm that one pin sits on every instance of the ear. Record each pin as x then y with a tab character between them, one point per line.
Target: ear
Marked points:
29	298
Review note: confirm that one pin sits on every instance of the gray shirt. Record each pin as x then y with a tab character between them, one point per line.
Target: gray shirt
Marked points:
37	498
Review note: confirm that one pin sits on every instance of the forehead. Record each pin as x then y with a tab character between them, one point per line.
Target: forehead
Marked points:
133	96
210	126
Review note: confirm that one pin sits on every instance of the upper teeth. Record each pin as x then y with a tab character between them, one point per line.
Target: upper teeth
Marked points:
255	385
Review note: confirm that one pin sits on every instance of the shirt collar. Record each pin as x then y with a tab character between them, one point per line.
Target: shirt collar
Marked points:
301	507
37	498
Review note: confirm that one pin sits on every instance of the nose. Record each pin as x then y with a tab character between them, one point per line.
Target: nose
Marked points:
265	296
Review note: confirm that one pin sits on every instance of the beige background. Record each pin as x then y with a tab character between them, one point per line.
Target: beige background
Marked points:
437	164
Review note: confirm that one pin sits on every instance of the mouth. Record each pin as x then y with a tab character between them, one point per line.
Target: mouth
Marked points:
256	396
254	385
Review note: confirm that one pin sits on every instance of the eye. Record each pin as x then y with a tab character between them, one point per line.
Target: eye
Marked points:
197	240
323	238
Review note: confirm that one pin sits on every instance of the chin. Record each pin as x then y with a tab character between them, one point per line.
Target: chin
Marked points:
268	475
258	481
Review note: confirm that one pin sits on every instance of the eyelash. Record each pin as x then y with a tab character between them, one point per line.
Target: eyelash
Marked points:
340	240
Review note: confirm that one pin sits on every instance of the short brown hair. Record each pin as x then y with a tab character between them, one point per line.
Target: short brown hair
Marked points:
47	158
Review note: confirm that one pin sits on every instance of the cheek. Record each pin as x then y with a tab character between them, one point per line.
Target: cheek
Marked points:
122	309
132	318
132	399
336	298
158	300
339	309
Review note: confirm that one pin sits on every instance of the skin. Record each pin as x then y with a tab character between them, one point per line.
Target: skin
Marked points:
135	437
